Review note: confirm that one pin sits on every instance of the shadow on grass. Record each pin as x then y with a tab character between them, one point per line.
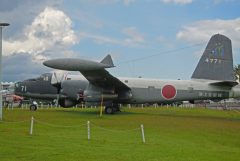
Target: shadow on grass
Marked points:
151	112
79	112
95	112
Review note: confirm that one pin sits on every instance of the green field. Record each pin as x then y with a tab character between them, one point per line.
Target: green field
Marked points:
171	134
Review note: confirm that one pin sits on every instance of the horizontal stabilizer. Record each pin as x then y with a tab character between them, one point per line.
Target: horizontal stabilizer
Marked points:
108	61
225	83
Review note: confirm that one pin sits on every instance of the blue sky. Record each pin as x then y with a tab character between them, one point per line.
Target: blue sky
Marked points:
149	38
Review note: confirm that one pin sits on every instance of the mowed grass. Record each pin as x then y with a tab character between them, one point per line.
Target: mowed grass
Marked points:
172	134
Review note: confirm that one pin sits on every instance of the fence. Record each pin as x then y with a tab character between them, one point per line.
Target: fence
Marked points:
213	105
89	126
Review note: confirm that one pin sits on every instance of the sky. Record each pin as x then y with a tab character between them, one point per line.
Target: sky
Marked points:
161	39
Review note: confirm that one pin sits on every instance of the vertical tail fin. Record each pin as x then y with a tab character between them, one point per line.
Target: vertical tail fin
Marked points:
216	62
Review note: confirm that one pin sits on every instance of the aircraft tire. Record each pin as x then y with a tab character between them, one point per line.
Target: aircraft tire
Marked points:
33	107
109	110
116	108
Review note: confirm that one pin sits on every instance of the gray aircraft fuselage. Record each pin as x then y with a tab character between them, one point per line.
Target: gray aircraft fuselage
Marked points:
141	90
159	91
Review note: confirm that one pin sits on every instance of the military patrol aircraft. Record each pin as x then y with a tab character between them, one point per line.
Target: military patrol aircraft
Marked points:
213	79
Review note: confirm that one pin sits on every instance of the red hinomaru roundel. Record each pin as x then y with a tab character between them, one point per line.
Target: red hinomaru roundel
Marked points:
169	92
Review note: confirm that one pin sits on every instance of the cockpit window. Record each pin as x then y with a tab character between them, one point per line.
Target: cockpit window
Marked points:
11	88
41	77
44	77
17	85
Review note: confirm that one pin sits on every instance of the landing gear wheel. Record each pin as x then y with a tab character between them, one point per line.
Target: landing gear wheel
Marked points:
109	110
116	108
33	107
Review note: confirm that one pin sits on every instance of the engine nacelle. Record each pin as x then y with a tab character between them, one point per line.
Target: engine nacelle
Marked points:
66	103
94	95
73	89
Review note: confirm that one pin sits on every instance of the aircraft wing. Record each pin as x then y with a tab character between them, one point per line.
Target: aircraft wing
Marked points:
103	78
94	72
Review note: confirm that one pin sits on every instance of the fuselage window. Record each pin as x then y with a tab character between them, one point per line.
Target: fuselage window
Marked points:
190	89
151	87
45	78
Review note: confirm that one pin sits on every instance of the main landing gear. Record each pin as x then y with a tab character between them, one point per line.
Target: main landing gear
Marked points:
112	109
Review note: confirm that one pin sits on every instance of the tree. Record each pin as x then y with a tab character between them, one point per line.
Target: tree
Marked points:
237	72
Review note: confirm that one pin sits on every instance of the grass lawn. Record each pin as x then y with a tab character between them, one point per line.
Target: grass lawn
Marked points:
171	134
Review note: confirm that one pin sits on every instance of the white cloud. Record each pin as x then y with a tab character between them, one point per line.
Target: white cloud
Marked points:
201	31
133	38
19	13
177	1
50	30
134	35
99	38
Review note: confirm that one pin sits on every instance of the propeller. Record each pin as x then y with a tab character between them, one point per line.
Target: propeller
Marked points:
56	81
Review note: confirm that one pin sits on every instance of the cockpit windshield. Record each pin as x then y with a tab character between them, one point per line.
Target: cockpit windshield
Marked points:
45	76
11	88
